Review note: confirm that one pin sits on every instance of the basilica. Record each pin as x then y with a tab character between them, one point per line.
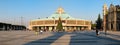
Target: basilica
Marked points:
68	22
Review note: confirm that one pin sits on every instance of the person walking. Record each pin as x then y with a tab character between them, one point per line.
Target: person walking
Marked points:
41	31
97	32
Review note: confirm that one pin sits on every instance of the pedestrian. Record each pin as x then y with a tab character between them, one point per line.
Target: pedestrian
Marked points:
41	31
97	32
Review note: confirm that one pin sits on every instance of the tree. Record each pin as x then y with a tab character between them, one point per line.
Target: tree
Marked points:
93	26
99	22
59	25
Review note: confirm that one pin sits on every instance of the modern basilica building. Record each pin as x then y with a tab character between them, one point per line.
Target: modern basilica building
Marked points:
68	22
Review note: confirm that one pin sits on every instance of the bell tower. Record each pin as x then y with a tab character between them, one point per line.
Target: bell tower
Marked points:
104	16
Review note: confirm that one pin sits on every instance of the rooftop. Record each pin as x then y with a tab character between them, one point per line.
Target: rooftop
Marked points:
59	13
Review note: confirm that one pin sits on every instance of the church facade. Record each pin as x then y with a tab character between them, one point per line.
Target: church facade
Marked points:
111	17
68	22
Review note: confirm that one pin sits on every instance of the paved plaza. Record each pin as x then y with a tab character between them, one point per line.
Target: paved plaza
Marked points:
58	38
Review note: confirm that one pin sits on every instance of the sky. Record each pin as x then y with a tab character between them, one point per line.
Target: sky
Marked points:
15	11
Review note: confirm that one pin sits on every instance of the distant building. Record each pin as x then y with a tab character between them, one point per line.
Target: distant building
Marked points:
6	26
68	22
111	17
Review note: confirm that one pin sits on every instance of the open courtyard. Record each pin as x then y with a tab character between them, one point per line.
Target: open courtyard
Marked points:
59	38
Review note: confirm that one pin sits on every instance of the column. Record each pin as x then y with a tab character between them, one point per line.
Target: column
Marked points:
89	27
55	27
38	28
65	28
50	28
115	21
75	27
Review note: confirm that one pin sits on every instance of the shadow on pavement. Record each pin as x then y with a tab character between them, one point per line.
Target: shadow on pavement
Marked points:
93	41
78	39
48	40
118	36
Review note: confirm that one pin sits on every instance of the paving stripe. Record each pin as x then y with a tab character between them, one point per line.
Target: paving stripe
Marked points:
64	40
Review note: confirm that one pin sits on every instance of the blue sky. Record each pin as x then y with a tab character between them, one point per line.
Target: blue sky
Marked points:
11	11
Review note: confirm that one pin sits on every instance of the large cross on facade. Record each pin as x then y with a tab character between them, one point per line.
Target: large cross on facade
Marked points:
60	10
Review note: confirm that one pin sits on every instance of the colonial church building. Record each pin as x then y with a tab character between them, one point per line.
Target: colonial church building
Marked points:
111	17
